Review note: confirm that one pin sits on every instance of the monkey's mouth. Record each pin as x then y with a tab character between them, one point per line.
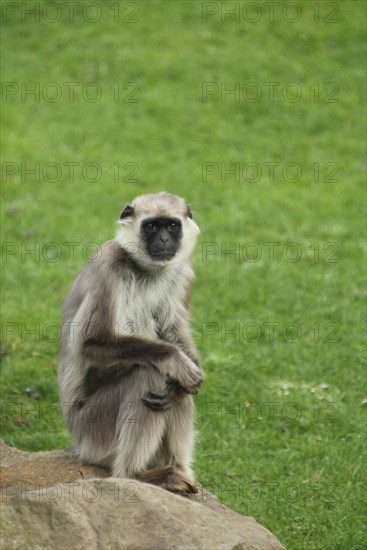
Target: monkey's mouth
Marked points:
162	255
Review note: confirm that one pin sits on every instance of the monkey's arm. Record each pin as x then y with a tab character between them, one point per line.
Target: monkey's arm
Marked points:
101	347
174	392
94	318
184	338
105	351
186	342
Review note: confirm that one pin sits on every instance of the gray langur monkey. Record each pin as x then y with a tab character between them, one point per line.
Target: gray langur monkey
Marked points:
128	364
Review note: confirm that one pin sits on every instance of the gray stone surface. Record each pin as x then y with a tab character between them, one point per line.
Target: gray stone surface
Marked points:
52	501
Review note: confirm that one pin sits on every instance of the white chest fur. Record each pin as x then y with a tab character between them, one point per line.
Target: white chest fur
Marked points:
147	308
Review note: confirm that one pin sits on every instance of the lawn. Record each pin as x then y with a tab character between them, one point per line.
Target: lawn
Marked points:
256	118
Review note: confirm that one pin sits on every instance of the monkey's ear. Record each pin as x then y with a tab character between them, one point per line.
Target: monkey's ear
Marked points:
127	211
189	213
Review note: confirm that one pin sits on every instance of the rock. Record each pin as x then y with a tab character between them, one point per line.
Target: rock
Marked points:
50	500
37	470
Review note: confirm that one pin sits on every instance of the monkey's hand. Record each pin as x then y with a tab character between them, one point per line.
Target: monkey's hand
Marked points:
188	375
164	400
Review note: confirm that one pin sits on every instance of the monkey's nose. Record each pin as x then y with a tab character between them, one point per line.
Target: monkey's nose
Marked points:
164	239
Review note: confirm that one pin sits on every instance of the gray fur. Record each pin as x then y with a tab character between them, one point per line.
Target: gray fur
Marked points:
125	329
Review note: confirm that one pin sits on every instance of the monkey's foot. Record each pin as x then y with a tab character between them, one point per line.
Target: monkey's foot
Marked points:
171	478
163	401
158	401
177	481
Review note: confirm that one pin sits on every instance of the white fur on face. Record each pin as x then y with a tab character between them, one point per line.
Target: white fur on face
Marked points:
160	204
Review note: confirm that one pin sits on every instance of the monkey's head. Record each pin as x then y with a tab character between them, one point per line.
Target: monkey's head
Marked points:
158	229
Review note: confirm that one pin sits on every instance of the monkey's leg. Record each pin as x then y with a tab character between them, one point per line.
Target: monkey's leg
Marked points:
140	436
138	441
92	422
171	478
180	437
138	447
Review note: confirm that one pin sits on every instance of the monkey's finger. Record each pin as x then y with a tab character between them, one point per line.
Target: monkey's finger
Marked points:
153	395
156	402
155	406
172	383
174	386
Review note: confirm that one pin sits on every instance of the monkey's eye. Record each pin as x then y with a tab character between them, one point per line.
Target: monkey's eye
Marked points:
173	226
151	227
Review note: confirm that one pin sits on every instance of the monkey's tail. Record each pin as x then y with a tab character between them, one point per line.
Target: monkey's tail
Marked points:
171	478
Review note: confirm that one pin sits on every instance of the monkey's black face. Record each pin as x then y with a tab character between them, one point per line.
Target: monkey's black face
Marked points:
162	237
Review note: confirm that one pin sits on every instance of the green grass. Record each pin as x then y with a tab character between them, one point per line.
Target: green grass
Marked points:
271	443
